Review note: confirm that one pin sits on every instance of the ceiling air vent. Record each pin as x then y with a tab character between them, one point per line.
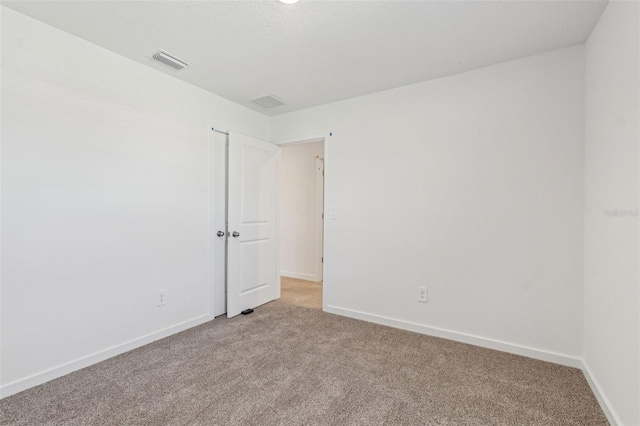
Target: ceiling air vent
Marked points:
169	60
268	101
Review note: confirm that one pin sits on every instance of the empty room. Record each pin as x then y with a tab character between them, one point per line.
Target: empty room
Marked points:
285	212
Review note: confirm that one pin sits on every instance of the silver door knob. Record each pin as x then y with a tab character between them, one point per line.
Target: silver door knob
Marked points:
220	234
235	234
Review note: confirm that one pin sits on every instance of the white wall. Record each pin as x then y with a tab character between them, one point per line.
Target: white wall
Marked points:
611	271
298	218
470	185
104	201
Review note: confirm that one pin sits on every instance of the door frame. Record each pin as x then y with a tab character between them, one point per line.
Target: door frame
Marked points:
280	143
319	215
320	243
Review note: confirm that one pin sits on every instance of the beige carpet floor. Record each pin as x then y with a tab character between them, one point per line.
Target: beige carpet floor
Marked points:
303	293
288	364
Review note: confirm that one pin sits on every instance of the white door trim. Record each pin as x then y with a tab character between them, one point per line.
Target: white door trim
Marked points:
319	210
298	141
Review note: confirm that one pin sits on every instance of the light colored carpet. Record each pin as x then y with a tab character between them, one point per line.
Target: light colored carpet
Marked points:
294	365
307	294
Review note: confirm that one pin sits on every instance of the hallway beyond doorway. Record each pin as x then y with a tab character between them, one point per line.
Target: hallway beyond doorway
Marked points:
307	294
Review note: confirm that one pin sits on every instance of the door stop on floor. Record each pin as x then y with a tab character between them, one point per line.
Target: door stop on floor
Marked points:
246	311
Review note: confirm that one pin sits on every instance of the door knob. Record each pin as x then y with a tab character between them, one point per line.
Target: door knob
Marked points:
235	234
220	234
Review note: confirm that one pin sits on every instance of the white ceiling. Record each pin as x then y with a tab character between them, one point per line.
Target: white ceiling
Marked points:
315	52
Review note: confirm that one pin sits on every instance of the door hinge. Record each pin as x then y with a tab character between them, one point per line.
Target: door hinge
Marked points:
322	259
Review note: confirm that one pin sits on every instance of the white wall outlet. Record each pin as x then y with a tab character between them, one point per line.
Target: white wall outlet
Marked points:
161	297
333	215
422	294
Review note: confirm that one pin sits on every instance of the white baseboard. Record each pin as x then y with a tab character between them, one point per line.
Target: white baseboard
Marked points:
600	396
306	277
70	367
484	342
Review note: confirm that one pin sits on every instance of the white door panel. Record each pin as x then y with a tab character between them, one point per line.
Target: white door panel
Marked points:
218	219
252	223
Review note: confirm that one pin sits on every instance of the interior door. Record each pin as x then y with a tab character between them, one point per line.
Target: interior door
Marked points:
251	261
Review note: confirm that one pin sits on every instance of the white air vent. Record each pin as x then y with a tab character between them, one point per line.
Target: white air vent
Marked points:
268	101
169	60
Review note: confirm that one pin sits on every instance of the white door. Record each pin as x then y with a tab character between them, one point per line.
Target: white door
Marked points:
251	267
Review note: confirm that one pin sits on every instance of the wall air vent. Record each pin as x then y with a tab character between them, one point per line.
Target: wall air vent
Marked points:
268	101
169	60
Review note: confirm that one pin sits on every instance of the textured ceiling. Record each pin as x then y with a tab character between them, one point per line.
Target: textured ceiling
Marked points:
315	52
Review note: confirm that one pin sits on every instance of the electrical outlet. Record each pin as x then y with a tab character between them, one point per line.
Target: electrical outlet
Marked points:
161	297
333	214
422	294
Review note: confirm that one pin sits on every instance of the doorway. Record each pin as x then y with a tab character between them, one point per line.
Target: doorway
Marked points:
266	222
301	222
